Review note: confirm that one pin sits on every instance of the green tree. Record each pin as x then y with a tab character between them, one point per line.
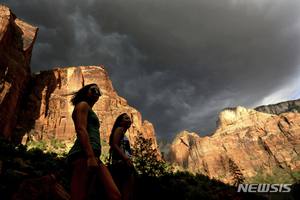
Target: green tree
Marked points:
147	160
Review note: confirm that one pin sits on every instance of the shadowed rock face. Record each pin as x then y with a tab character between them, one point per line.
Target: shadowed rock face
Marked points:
46	109
16	43
251	139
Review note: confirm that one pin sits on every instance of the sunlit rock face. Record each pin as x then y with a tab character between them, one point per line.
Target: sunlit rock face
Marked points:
46	110
16	43
251	139
230	116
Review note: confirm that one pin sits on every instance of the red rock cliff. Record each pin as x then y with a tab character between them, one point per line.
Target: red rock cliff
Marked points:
16	43
46	111
251	139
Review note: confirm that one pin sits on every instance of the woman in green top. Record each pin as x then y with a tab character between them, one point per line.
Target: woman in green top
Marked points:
85	153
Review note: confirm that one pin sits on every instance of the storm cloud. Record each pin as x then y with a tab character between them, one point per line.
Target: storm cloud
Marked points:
178	62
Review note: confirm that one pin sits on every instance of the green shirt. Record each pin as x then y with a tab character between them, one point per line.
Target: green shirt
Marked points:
92	128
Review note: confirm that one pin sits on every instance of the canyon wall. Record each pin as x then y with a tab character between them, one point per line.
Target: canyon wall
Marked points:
251	139
16	44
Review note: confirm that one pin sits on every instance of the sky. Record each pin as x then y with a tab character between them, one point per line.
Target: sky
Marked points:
178	62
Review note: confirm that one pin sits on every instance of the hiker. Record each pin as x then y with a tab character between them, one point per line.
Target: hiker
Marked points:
120	153
84	155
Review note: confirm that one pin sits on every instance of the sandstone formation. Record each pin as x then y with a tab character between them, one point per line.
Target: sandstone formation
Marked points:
16	43
251	139
46	110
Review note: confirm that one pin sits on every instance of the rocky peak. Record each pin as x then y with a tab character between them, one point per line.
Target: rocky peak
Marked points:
180	149
231	116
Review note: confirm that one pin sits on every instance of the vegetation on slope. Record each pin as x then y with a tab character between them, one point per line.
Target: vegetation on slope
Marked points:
155	179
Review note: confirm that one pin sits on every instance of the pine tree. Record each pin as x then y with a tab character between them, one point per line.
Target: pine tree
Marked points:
147	160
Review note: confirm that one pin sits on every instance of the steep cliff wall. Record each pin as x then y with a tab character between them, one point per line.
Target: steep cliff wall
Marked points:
251	139
16	43
46	110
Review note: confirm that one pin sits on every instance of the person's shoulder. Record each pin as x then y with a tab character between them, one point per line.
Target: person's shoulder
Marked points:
82	106
119	130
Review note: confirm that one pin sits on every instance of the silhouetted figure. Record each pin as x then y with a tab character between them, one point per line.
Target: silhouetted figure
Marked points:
121	155
84	155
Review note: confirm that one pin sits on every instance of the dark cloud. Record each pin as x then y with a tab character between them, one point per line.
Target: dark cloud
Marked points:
177	62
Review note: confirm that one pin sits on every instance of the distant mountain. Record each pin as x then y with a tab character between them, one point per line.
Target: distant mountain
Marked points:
164	147
282	107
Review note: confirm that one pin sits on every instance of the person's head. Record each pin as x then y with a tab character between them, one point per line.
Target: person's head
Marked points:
89	93
122	120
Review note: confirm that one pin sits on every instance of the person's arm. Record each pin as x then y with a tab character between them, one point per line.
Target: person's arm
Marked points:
80	115
115	145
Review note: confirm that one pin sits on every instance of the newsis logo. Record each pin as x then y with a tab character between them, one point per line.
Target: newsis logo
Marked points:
264	188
